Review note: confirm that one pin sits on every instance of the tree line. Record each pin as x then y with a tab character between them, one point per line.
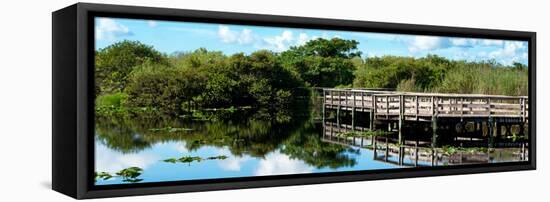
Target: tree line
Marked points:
132	75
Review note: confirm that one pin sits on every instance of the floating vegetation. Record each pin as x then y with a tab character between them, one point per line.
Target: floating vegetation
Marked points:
190	159
170	160
221	157
130	175
102	176
170	129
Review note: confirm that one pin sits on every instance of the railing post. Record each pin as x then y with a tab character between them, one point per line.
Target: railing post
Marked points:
387	107
489	106
401	117
363	100
523	114
461	108
372	120
417	111
433	106
331	97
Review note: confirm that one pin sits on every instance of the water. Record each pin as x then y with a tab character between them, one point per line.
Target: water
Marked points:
251	145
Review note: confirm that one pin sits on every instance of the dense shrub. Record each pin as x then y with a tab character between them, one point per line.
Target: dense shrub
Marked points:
115	62
162	87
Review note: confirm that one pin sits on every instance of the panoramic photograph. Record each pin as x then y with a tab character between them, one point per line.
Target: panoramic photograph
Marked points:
178	101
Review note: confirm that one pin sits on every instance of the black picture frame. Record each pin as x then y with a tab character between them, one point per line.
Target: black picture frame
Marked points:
73	98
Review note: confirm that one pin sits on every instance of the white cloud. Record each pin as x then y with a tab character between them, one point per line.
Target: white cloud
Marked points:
463	42
181	148
109	29
233	163
107	160
492	42
302	39
427	43
245	37
277	164
197	31
227	35
280	42
151	23
511	51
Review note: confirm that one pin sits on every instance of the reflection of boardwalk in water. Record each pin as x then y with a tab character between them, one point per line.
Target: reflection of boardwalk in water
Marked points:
442	117
416	153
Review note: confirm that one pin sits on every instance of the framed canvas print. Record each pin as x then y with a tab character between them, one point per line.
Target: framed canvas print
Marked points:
154	100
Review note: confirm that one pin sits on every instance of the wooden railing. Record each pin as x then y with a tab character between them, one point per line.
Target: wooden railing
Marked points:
415	105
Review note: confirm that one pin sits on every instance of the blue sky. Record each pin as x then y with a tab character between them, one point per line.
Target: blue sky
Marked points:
170	37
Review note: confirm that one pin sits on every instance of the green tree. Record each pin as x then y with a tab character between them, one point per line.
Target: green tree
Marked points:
322	62
114	63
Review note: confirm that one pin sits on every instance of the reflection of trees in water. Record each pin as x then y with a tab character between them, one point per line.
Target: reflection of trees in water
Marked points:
306	145
255	134
120	137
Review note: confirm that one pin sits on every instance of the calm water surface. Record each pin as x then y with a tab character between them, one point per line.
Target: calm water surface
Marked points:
251	147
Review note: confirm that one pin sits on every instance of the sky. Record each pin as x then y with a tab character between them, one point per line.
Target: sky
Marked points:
170	36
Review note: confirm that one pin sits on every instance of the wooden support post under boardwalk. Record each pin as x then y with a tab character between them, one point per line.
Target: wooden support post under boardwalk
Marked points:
490	130
387	150
338	116
353	112
375	148
371	119
353	119
401	154
416	150
434	131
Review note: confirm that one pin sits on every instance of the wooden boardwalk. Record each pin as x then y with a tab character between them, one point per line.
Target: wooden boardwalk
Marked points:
397	108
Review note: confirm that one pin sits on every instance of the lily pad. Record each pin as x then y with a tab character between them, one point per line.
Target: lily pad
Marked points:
221	157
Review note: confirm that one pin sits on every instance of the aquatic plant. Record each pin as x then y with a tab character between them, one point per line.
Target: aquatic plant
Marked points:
130	173
221	157
190	159
170	160
102	176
